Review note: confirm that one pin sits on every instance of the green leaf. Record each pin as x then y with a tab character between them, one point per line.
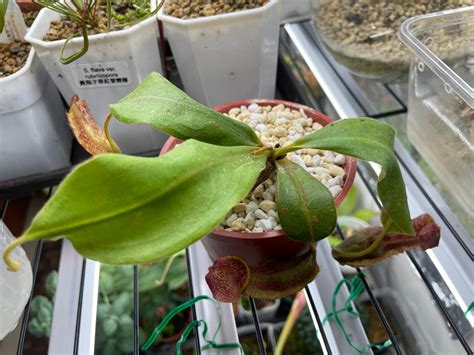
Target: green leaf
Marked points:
372	140
121	209
305	206
3	11
161	104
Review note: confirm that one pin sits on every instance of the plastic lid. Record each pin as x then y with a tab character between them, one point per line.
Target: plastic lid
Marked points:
414	29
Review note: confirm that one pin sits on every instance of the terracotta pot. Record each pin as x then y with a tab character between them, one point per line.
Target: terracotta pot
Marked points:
258	249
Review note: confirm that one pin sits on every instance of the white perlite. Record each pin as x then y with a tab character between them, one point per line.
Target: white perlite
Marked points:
280	125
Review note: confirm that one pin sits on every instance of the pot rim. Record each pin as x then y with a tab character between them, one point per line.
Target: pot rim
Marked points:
214	18
33	34
350	165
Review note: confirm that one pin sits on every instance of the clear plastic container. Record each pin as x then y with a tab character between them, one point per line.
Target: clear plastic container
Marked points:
441	98
362	34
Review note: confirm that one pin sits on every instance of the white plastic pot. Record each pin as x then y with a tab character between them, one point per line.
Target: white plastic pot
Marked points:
34	135
228	57
295	10
114	65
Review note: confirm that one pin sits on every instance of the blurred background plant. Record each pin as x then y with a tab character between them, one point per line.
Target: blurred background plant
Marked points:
162	287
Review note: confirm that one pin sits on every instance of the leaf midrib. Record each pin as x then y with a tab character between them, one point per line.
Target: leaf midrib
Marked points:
166	190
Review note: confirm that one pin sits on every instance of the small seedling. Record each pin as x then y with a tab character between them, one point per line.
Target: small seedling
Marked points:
87	14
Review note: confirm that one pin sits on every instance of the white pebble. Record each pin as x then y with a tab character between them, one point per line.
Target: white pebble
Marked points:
254	107
273	214
234	111
249	219
251	207
261	127
238	225
332	182
267	196
240	207
260	214
335	190
303	113
280	132
335	170
257	230
298	160
267	205
280	121
265	224
231	219
273	221
316	160
321	171
253	124
298	128
243	108
272	189
340	159
328	157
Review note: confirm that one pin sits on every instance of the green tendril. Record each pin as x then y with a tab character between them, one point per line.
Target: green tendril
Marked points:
210	343
356	287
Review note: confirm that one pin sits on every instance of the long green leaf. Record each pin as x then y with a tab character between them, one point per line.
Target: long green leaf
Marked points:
372	140
161	104
3	11
121	209
305	206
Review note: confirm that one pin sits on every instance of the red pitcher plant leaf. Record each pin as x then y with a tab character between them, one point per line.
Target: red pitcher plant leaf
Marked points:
427	236
88	133
271	281
227	278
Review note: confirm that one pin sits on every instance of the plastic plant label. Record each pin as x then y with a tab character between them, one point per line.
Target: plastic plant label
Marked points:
15	287
97	75
15	28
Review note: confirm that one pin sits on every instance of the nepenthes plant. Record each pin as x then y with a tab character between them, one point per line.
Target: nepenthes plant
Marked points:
120	209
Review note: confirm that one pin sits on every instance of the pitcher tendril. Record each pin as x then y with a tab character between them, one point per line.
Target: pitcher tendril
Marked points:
375	244
12	265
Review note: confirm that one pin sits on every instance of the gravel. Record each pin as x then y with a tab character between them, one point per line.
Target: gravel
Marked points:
279	125
187	9
13	57
29	17
363	33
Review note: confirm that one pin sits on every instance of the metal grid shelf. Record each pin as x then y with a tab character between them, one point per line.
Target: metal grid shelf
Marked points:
75	333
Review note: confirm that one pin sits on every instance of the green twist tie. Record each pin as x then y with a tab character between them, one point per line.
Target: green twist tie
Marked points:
471	306
210	343
356	287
